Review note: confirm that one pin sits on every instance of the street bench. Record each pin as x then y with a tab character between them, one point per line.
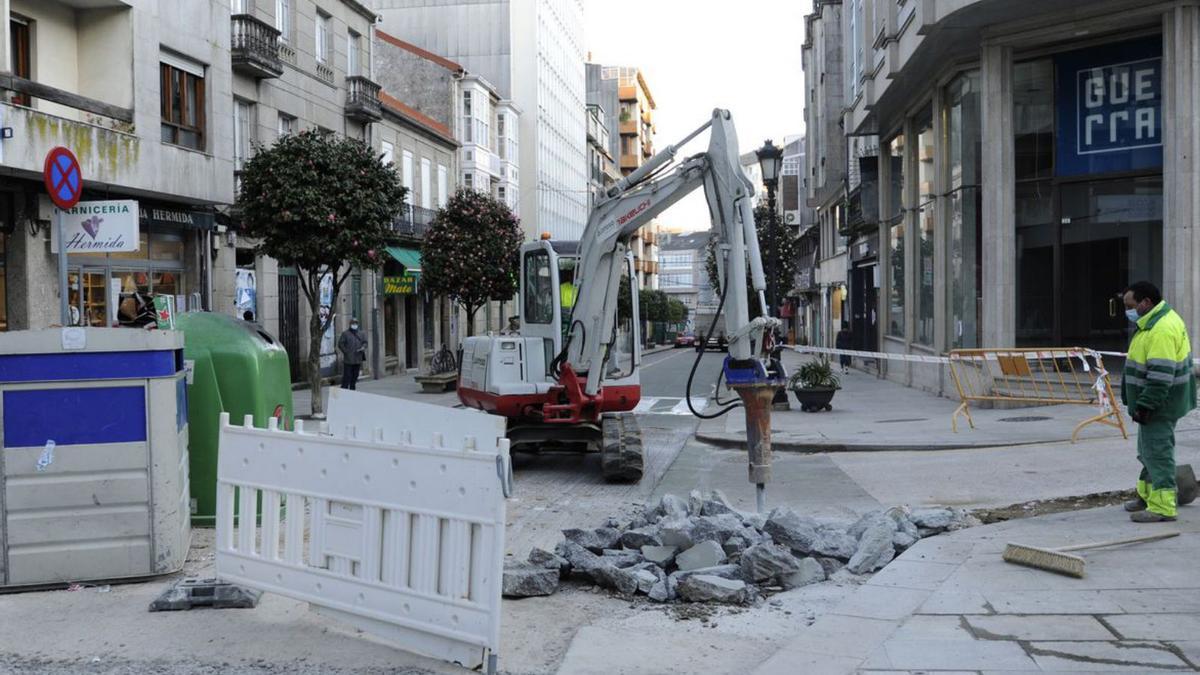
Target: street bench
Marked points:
438	382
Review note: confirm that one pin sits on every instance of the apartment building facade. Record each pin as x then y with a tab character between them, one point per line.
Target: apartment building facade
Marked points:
602	170
629	107
1086	181
531	53
138	90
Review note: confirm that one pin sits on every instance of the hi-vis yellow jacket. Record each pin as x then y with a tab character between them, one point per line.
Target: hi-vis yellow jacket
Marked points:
1158	370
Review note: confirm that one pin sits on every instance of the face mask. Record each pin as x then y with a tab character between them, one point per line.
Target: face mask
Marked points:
353	326
1132	315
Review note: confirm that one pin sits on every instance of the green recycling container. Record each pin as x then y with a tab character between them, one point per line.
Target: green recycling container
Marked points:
238	368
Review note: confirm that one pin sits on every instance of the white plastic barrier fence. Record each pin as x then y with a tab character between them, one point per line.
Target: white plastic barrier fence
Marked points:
398	537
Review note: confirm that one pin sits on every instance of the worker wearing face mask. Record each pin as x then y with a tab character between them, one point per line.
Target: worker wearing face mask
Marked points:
1159	387
353	347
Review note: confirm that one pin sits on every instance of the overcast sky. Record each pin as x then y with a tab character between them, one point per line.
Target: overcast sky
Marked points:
697	55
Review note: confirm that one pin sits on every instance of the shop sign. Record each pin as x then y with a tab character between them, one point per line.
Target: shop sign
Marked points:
402	285
1110	108
157	214
99	227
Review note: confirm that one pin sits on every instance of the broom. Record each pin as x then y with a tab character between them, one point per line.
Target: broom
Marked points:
1059	560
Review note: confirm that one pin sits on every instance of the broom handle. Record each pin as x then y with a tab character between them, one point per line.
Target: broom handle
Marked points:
1115	542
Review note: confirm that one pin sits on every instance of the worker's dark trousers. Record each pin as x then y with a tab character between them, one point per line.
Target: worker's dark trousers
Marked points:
1156	452
350	376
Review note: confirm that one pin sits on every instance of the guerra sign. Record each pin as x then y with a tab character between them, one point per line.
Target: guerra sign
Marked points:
1110	108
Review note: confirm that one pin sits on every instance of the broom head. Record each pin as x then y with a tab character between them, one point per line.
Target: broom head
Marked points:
1044	559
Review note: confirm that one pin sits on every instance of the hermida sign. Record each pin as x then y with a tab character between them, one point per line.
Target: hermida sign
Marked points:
95	227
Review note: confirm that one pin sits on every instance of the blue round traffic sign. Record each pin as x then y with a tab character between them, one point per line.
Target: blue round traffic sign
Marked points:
63	177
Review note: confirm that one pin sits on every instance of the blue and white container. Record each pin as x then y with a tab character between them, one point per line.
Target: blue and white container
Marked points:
93	455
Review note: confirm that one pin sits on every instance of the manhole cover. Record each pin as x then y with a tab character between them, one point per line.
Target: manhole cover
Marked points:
904	419
1026	418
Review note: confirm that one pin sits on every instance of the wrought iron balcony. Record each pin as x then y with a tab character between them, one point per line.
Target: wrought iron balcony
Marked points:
413	222
362	99
255	47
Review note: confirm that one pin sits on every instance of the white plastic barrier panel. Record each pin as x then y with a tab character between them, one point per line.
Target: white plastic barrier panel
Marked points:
398	537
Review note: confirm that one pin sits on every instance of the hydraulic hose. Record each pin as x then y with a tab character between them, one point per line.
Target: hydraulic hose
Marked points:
700	355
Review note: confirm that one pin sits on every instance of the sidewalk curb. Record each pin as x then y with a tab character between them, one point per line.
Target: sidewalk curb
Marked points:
738	441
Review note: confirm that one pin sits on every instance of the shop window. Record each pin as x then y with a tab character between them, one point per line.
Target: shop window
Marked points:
926	218
896	287
1033	118
182	104
964	217
166	246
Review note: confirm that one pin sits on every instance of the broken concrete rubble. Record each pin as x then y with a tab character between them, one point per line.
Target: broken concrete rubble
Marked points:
523	580
674	549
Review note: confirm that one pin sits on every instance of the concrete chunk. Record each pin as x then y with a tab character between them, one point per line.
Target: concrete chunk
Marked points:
672	507
716	528
704	554
791	529
874	550
581	559
676	532
659	555
810	572
707	588
545	559
645	580
639	537
594	540
763	562
623	581
523	580
716	505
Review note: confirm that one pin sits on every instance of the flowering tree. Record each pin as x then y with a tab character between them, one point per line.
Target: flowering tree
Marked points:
324	205
470	252
777	244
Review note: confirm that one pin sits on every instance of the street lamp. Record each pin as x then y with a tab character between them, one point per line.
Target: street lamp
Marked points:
770	157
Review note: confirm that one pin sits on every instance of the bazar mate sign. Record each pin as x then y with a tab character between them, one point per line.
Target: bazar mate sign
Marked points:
109	226
400	285
1110	112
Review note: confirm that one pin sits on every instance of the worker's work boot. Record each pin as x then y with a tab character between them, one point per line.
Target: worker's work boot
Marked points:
1136	504
1185	480
1150	517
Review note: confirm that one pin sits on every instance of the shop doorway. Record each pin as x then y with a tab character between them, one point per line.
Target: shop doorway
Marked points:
411	335
1072	267
864	301
289	320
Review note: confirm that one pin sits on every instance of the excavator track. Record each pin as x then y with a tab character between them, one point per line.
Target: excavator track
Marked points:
621	455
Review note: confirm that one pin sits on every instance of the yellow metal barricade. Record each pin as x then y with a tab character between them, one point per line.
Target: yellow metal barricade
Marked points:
1067	375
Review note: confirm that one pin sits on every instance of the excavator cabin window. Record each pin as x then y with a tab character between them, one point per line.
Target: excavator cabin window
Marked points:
539	298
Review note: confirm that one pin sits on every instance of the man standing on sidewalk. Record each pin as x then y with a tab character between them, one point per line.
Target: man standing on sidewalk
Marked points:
353	347
1159	387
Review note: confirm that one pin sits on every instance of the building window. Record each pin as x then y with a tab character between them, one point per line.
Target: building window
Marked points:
237	7
243	132
19	32
500	194
182	103
283	19
443	185
467	123
323	35
406	175
426	184
500	138
353	53
287	124
469	180
387	151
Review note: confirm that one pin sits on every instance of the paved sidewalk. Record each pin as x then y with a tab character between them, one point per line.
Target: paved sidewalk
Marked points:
951	604
874	414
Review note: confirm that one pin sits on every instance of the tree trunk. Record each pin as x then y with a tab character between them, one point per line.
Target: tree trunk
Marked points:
471	319
314	344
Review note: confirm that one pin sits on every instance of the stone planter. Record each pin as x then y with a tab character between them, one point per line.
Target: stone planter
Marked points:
814	399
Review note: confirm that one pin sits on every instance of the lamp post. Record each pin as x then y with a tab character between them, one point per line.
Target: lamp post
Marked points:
770	156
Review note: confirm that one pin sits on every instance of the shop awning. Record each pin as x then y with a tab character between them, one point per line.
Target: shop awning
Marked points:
408	257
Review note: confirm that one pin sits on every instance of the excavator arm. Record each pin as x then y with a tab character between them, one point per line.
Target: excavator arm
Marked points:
634	202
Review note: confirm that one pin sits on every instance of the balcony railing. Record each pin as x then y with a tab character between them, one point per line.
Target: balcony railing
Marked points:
413	222
255	47
362	99
67	98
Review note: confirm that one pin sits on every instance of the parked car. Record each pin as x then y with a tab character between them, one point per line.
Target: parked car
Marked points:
685	340
716	343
